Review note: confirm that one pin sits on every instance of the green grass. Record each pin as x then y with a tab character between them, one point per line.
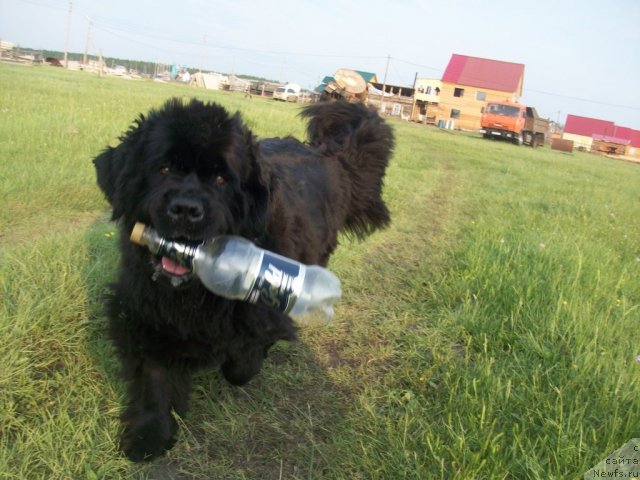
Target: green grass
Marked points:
490	332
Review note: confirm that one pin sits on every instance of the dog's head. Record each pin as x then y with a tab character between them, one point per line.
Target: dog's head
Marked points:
190	171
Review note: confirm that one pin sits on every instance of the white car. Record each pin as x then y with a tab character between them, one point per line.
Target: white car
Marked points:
287	93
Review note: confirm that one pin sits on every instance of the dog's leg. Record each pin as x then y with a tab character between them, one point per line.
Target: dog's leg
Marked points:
154	391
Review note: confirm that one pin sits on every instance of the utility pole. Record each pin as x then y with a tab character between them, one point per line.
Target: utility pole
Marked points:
413	105
86	45
66	38
384	83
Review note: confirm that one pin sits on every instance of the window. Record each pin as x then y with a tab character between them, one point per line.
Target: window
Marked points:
506	110
455	113
482	96
428	91
458	92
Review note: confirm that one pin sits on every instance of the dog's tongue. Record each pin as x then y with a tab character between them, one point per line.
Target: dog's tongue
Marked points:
173	268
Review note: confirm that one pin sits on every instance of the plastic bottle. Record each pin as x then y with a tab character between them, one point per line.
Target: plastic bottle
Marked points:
235	268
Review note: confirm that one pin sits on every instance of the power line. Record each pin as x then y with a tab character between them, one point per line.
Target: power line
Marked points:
418	65
140	31
110	26
630	107
39	4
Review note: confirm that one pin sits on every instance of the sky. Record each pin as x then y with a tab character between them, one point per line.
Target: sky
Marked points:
581	57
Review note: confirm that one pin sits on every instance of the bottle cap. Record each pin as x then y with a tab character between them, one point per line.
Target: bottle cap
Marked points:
137	232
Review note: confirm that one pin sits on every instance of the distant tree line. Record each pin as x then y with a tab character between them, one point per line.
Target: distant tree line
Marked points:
146	68
138	65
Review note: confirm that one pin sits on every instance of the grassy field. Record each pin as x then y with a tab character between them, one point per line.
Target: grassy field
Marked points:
490	332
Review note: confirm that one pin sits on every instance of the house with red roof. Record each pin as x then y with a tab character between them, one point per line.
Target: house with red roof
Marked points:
601	136
468	83
634	149
582	129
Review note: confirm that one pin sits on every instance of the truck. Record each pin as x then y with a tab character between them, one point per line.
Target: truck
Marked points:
515	122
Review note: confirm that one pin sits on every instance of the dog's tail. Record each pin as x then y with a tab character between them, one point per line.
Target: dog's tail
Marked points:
363	142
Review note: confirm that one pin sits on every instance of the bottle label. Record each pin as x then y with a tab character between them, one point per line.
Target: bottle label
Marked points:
278	282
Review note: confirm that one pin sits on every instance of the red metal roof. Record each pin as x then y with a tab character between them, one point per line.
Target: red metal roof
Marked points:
620	135
635	138
587	127
623	133
608	139
484	73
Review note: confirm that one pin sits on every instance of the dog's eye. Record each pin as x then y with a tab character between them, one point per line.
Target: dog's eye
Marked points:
163	170
220	180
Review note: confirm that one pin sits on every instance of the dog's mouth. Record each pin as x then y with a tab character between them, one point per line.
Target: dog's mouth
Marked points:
168	269
173	268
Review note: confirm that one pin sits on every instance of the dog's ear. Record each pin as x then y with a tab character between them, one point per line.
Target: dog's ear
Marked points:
254	184
107	171
111	167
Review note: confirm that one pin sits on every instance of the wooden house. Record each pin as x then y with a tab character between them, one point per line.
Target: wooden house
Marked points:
609	145
392	100
468	83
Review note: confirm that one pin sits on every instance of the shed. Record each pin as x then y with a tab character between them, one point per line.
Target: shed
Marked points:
212	81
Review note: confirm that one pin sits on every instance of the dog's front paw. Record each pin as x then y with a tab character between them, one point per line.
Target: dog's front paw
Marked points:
148	437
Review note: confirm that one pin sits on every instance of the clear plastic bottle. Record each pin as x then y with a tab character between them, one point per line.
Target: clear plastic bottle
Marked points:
235	268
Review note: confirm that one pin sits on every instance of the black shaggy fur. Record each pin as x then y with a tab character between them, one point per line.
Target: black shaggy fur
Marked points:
193	171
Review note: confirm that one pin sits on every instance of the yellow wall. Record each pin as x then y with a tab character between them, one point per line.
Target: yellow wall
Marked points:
633	151
468	104
421	87
579	141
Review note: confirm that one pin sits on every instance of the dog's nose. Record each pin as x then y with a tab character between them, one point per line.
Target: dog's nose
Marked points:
189	209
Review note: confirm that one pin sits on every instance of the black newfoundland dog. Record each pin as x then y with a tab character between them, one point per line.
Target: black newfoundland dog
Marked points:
193	171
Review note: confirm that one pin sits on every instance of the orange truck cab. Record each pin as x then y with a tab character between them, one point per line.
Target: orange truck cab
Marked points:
515	122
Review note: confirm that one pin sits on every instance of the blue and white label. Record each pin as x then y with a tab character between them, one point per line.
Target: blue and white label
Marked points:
278	282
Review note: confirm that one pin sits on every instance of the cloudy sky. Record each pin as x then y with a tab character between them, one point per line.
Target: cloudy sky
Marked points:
581	57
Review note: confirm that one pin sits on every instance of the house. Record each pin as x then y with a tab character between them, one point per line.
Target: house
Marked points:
602	136
427	98
633	150
393	100
468	83
582	129
323	84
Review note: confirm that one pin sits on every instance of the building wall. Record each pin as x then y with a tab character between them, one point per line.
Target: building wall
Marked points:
580	142
469	104
426	89
633	151
393	105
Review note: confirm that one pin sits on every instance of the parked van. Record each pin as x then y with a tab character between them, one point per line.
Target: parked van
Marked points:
288	93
